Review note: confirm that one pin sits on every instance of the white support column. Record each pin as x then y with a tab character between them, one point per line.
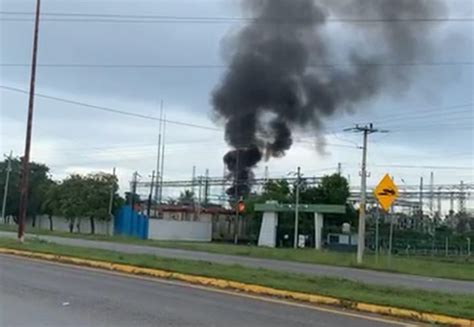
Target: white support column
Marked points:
318	228
268	229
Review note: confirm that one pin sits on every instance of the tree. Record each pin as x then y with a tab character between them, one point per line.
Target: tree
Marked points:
72	199
186	198
39	182
51	203
86	196
97	192
334	189
128	198
277	191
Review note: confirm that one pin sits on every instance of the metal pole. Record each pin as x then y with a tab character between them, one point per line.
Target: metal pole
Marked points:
431	204
223	194
193	183
162	159
390	240
29	127
206	188
134	190
377	218
148	210
236	179
112	193
5	191
363	187
421	204
297	204
198	210
446	246
158	155
468	246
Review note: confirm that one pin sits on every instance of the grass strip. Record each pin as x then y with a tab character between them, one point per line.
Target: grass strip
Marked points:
456	305
460	268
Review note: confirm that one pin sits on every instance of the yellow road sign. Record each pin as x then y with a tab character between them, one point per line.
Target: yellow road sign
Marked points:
386	192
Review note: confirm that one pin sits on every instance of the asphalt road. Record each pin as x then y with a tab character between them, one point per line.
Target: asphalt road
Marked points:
366	276
34	293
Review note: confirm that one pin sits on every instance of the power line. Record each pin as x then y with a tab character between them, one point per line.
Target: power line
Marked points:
110	110
414	113
433	121
63	16
327	144
454	125
422	114
220	66
425	167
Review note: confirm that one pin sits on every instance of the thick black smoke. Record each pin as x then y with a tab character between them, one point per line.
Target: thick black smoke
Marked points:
239	163
278	79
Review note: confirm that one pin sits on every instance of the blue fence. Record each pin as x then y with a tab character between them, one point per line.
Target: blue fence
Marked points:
130	223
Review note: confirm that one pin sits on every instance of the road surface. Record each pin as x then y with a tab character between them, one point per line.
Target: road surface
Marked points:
35	293
361	275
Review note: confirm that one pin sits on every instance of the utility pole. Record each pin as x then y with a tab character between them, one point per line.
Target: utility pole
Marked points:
297	204
199	200
112	193
439	202
162	159
152	185
339	169
206	188
366	130
468	246
111	199
236	195
224	177
193	183
7	180
29	128
462	198
193	188
421	203
134	190
158	154
451	204
432	194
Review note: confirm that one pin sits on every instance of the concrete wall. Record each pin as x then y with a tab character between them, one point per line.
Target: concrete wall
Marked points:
186	216
222	227
160	229
61	224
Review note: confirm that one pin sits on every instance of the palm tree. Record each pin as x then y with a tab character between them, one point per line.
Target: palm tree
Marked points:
187	197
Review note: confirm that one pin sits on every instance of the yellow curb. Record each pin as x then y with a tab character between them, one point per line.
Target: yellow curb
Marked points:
249	288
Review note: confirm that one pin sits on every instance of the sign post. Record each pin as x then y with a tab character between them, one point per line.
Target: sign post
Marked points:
386	193
377	218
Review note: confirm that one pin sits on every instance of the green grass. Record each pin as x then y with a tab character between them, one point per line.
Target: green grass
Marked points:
453	268
435	302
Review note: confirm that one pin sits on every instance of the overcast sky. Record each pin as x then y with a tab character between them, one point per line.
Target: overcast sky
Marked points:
430	122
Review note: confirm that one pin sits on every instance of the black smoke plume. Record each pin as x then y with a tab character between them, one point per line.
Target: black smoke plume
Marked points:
280	77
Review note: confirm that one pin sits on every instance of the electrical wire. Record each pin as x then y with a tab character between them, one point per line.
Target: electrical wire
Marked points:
226	19
110	110
220	66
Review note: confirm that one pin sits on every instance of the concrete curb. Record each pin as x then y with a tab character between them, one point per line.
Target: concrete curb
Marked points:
249	288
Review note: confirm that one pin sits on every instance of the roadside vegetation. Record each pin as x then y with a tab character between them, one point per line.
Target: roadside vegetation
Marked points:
461	268
457	305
